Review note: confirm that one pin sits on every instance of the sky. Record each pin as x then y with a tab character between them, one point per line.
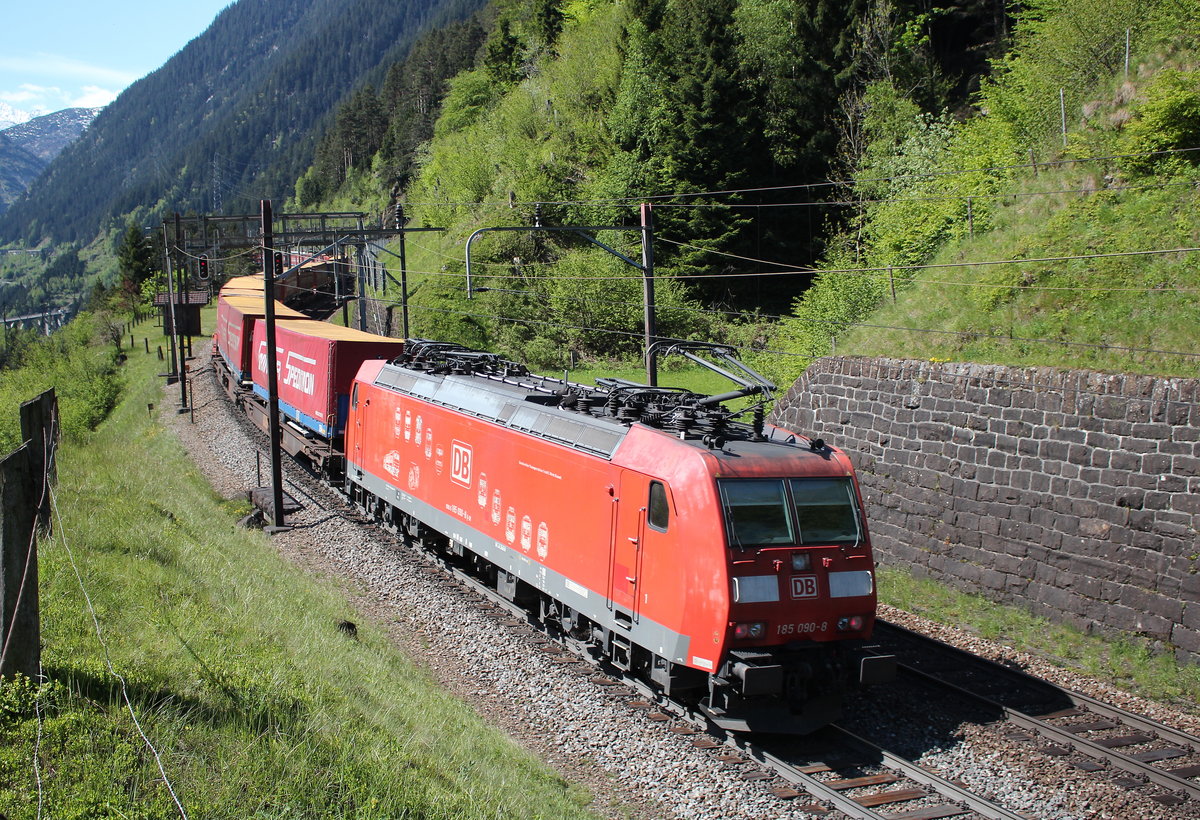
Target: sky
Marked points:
57	54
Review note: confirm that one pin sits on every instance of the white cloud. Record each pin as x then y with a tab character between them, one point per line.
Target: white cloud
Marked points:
94	97
56	65
28	92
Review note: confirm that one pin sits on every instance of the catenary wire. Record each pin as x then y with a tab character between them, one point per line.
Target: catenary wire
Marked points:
828	322
926	266
737	206
801	269
653	198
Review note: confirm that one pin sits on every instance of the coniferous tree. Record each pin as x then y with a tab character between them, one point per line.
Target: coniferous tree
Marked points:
135	259
502	55
548	21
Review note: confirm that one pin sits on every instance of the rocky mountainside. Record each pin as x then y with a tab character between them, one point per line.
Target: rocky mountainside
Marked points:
10	116
18	168
46	136
26	148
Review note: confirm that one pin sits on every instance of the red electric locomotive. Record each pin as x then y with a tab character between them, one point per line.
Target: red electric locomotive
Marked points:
728	563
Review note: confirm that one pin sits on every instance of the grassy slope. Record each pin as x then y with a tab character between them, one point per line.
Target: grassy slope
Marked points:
1129	663
1073	309
236	671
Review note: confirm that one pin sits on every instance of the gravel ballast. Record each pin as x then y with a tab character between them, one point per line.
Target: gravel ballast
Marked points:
634	766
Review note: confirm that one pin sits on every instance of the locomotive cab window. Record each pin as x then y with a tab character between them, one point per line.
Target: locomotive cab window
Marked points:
756	512
354	396
798	511
659	511
826	511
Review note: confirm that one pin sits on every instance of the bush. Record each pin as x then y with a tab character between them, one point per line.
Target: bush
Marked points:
1168	120
82	369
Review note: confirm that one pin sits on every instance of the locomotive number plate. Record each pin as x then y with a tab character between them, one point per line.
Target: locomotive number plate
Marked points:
802	629
804	586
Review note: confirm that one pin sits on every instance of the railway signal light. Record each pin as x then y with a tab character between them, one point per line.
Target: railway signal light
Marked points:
278	260
203	265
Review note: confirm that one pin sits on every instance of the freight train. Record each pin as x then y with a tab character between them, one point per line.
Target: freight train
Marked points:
726	563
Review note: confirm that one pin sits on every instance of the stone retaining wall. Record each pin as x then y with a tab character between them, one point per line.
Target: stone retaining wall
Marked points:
1074	494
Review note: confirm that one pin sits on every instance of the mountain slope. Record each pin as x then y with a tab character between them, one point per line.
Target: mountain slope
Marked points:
1056	227
10	116
18	168
229	117
46	136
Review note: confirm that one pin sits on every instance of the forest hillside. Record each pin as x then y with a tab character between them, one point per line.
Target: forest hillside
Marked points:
226	121
954	180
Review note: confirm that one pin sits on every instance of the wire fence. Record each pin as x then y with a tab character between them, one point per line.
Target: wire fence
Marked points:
28	509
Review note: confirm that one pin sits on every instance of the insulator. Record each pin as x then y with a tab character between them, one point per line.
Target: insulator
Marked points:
681	420
653	418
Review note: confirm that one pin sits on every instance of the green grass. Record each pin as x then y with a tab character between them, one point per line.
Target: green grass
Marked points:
234	666
1113	314
1128	662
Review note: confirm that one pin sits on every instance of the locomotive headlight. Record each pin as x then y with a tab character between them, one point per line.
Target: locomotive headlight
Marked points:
851	623
750	631
801	561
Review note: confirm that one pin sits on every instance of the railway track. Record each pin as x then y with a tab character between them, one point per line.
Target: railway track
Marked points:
893	789
1133	751
861	779
842	774
845	777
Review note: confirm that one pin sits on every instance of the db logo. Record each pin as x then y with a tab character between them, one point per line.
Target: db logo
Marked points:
460	466
804	586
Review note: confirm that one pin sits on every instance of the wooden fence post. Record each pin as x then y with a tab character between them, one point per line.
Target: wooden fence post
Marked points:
39	428
25	478
20	638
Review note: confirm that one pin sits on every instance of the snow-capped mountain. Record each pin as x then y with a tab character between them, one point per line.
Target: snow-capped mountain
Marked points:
29	146
10	116
47	135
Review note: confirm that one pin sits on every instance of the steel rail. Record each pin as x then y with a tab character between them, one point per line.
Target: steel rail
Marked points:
944	788
1061	736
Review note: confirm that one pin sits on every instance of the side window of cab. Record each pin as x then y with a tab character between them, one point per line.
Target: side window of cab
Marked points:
658	513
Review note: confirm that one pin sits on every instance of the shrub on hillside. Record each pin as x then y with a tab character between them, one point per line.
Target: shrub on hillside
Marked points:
1167	121
80	367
